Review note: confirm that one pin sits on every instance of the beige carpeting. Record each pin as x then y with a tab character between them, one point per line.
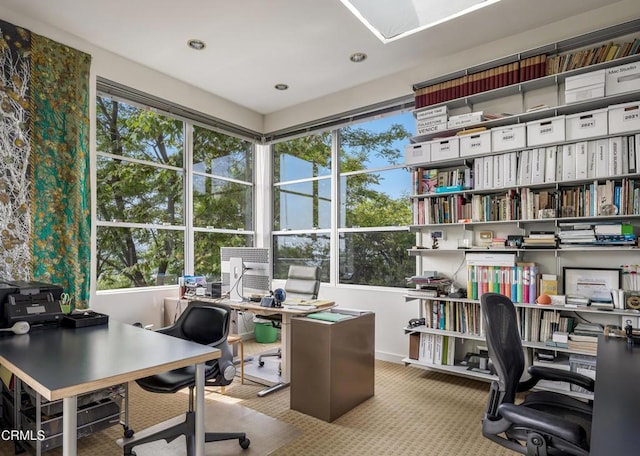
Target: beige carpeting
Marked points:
413	412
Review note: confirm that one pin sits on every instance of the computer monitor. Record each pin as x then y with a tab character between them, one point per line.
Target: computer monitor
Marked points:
245	271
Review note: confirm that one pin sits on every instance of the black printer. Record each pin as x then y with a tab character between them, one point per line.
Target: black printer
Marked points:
37	303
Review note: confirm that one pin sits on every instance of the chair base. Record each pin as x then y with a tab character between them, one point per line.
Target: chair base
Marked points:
186	428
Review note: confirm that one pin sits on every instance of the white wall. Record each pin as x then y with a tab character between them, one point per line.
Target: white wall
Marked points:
392	314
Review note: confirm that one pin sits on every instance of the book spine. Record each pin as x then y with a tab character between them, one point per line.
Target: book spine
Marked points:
533	272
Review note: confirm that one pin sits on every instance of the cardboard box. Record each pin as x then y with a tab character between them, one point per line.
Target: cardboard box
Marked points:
587	124
465	120
584	80
623	78
584	86
546	131
433	112
431	121
415	154
508	138
431	129
445	149
585	93
624	117
475	144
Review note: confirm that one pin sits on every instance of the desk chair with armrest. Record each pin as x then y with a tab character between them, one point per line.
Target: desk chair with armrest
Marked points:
206	324
303	282
545	423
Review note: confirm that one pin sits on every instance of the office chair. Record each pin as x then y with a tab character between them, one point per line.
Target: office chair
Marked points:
545	423
206	324
303	282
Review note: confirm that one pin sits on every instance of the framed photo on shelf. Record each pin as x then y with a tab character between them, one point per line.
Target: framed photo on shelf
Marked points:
595	284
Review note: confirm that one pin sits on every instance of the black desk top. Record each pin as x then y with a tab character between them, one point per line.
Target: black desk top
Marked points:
68	361
615	428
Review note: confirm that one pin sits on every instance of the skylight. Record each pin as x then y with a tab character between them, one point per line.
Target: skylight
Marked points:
391	20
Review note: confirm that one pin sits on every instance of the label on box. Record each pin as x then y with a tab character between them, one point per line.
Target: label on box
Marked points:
433	112
431	129
623	78
422	123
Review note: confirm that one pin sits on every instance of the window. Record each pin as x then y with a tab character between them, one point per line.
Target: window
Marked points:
374	203
373	211
302	203
223	197
140	197
146	216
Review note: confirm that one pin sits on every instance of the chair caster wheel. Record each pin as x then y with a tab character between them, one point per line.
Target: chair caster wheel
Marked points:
244	443
128	432
261	363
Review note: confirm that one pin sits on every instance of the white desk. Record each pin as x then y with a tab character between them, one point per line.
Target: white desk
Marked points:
285	332
62	363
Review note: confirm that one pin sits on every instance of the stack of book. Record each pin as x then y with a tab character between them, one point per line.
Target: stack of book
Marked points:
598	235
585	337
540	240
612	234
576	235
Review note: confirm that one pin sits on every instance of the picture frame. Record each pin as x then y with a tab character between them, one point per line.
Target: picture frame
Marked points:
595	284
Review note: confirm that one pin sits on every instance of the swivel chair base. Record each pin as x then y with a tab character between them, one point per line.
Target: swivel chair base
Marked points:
186	428
273	389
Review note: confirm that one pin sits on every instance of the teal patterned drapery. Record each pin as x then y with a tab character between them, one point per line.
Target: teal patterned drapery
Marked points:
45	220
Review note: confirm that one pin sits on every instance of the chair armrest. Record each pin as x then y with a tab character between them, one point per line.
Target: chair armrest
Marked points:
549	373
172	330
543	422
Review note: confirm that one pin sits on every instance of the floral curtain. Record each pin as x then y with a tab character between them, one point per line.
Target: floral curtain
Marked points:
45	220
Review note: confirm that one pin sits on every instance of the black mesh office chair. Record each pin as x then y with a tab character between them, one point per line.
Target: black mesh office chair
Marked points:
206	324
545	423
303	282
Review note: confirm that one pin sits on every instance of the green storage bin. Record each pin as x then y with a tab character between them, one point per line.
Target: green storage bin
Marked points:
266	333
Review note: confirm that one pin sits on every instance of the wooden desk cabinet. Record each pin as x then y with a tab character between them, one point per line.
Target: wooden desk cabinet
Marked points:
332	364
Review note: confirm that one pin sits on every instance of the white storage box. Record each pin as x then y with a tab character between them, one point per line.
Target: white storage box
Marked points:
431	121
431	129
545	131
584	86
415	154
433	112
587	124
508	138
624	117
623	78
475	144
445	149
585	93
464	120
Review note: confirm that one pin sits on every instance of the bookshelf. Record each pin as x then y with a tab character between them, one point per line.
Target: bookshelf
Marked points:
518	206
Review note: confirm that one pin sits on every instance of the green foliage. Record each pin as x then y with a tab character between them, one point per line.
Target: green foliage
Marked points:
140	171
130	191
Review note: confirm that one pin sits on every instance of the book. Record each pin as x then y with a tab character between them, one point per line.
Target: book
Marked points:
550	164
582	159
549	284
537	157
568	162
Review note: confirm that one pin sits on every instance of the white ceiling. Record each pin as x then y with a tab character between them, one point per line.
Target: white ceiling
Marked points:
254	44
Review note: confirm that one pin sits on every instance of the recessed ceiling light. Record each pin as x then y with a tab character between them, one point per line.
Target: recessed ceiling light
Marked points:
358	57
198	45
281	86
